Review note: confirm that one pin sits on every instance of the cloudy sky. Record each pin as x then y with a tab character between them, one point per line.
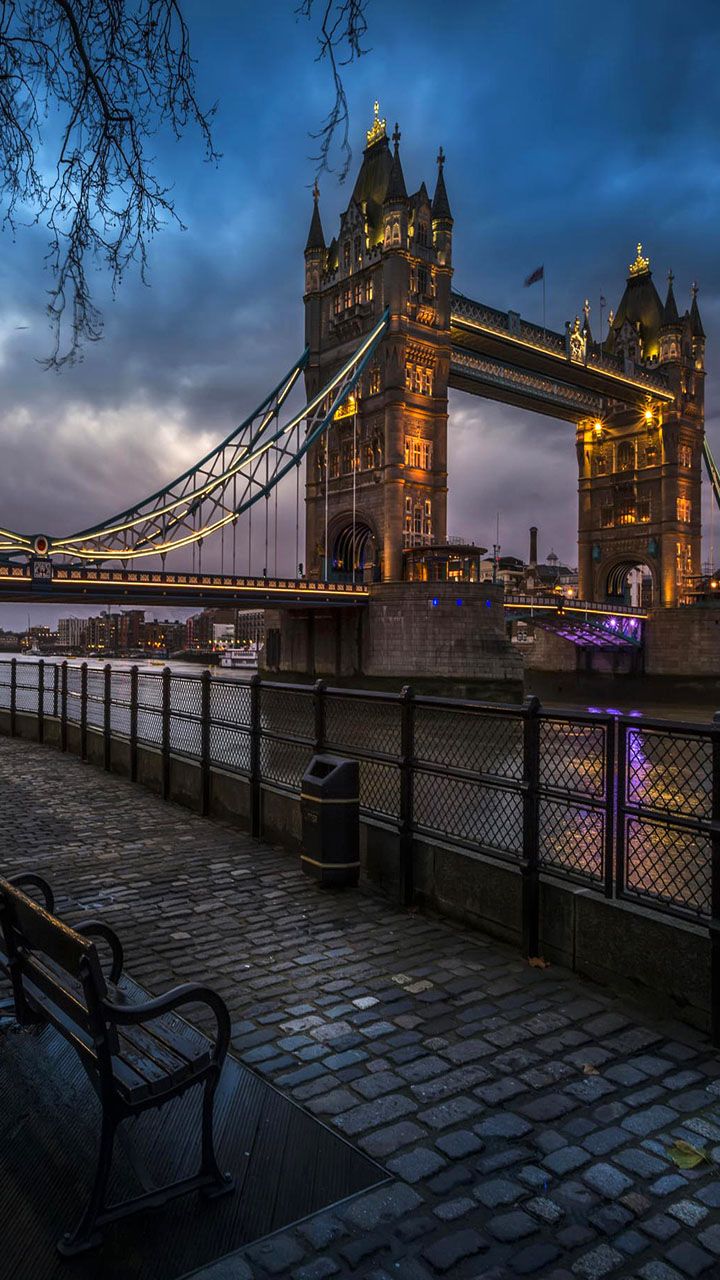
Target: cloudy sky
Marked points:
569	137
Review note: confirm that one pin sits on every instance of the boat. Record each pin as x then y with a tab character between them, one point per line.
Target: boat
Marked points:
240	659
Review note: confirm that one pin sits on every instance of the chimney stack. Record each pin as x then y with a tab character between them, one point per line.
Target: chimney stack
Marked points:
533	546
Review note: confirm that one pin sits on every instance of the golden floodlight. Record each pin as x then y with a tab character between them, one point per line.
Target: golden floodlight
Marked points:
648	416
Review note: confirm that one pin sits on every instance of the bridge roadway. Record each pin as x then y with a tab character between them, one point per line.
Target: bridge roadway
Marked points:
39	582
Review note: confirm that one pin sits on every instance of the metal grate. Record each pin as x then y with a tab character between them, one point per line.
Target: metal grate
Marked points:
357	725
287	713
665	864
469	741
284	763
669	771
230	702
572	838
572	756
474	813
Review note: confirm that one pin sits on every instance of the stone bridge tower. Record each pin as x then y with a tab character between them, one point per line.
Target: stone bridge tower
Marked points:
378	483
640	469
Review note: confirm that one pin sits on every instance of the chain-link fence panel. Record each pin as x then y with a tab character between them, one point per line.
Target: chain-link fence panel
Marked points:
473	742
230	702
359	724
74	686
26	687
287	713
230	748
665	864
572	757
186	695
95	697
120	687
572	838
284	763
149	716
474	813
669	772
380	788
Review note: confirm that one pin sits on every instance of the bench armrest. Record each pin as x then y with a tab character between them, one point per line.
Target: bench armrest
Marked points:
96	929
189	993
32	878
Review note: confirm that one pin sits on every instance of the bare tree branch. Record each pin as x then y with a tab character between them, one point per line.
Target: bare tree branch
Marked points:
113	73
343	27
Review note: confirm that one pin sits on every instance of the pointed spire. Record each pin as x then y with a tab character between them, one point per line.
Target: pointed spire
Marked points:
696	327
670	315
441	204
396	186
587	333
316	238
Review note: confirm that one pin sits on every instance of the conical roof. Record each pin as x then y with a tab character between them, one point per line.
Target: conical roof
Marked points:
316	238
670	317
696	327
441	204
396	186
640	305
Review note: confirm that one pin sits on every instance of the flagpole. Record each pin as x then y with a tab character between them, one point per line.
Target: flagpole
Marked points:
543	280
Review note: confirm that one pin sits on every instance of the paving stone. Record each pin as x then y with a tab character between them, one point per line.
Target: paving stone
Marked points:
493	1162
417	1164
549	1107
385	1142
444	1114
610	1218
666	1185
660	1226
453	1209
332	1103
460	1080
535	1258
459	1144
321	1230
318	1270
640	1162
512	1226
688	1211
456	1175
382	1082
658	1271
597	1262
423	1067
452	1249
501	1091
276	1254
644	1122
386	1205
371	1114
498	1191
710	1195
605	1140
573	1237
630	1242
710	1238
607	1181
689	1259
565	1160
503	1125
545	1209
590	1090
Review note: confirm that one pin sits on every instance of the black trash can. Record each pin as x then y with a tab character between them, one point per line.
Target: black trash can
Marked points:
330	804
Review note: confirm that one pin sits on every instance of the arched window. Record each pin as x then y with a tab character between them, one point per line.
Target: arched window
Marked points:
396	233
358	249
625	456
422	233
346	255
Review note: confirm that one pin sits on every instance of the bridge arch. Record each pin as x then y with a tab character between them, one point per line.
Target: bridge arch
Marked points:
353	544
611	577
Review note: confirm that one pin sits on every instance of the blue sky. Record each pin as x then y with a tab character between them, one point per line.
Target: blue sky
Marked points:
570	134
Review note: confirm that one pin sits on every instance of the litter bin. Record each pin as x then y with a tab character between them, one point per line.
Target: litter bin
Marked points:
330	805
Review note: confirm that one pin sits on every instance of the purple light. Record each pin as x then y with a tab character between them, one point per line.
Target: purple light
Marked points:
488	604
635	713
458	603
596	711
613	711
434	602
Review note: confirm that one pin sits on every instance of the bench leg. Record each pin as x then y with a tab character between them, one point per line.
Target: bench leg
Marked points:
85	1236
221	1183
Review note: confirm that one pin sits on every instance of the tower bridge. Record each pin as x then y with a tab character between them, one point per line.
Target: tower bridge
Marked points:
386	336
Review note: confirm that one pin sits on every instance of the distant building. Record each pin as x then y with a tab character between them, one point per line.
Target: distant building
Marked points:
250	627
164	637
72	633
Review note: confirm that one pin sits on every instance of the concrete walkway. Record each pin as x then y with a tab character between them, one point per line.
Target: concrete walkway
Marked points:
527	1117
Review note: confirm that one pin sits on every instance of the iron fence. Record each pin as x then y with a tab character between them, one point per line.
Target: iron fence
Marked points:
627	808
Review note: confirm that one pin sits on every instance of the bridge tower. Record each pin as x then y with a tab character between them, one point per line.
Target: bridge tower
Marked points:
640	469
386	488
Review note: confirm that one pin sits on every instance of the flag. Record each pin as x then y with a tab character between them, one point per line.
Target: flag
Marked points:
537	274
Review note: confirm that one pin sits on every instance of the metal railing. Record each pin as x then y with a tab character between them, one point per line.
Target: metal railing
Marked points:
628	808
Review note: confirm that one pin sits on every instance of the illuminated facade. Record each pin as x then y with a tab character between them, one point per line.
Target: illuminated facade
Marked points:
640	466
377	484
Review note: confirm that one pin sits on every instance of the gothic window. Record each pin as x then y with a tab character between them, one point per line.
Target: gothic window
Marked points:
418	520
408	515
358	294
427	524
683	560
396	233
418	453
358	249
418	378
422	280
600	462
626	511
346	255
651	455
388	234
369	457
644	510
625	456
374	382
422	233
685	455
369	290
413	280
684	510
606	515
337	304
348	299
346	456
334	465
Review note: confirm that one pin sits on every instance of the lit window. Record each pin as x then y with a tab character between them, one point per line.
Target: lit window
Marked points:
337	304
427	529
606	515
347	299
334	465
685	455
358	249
422	280
358	294
626	512
644	510
684	510
625	456
396	233
369	290
346	255
374	382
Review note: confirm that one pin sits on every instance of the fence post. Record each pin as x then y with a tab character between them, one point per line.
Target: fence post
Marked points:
133	723
319	690
107	713
407	763
621	793
83	709
165	739
41	702
13	697
63	705
205	679
715	888
56	688
612	784
530	869
255	759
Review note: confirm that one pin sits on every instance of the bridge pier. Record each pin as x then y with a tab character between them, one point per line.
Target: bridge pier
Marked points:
406	631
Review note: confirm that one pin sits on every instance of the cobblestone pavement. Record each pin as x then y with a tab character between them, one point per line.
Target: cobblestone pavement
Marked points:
526	1116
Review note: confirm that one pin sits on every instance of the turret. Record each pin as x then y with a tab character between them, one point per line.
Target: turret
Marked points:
442	220
696	329
315	247
395	210
671	327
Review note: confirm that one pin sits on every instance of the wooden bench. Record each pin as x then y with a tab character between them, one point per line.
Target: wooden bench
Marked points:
136	1056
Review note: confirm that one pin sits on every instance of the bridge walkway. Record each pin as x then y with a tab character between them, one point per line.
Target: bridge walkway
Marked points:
525	1116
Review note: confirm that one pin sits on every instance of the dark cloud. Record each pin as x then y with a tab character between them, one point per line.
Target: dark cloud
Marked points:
570	135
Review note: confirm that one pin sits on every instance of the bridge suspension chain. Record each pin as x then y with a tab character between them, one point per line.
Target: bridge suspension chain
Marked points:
245	468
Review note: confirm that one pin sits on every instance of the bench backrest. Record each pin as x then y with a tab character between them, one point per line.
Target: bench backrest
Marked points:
55	973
